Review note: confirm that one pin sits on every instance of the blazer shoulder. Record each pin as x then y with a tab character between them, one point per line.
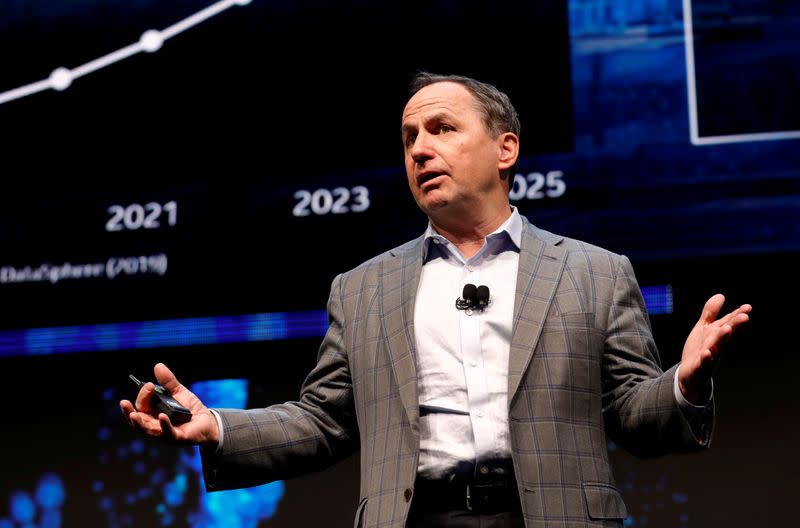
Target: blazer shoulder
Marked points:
578	252
372	265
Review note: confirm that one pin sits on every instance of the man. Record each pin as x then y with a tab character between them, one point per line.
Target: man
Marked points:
472	417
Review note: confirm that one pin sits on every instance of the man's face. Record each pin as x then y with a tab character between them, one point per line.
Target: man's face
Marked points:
451	160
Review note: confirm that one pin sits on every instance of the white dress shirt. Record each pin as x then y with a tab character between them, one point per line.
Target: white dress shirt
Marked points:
462	356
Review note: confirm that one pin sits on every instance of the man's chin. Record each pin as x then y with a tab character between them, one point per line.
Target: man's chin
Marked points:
432	204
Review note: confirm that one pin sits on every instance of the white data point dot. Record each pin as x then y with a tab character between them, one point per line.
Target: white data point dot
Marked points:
151	40
61	78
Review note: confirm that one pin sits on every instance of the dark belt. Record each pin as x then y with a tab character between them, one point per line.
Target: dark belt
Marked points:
461	494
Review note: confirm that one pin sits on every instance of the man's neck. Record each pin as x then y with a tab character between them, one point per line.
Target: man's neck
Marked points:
468	232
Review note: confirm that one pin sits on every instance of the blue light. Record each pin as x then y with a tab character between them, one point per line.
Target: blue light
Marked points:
658	299
139	468
680	498
238	508
164	333
137	446
106	503
50	519
204	330
104	434
175	491
23	509
122	451
50	492
231	393
157	477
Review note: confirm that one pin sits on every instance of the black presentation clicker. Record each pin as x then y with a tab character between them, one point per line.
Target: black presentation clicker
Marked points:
165	403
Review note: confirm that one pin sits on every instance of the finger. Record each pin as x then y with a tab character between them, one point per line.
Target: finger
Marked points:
146	423
735	315
712	308
738	320
743	313
127	408
166	378
716	338
144	397
166	426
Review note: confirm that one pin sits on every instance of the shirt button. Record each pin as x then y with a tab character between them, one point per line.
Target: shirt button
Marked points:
407	494
479	414
473	363
470	268
484	470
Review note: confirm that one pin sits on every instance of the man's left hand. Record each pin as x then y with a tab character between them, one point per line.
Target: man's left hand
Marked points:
702	348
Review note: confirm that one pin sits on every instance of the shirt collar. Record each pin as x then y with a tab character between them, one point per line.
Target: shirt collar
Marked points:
511	230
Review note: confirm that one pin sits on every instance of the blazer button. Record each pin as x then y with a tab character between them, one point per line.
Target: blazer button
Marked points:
407	494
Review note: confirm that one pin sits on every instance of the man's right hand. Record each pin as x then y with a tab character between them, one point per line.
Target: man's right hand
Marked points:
201	429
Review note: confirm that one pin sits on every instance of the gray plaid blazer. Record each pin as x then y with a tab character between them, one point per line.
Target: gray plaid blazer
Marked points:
583	365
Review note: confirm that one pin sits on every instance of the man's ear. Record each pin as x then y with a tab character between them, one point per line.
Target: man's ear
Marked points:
508	143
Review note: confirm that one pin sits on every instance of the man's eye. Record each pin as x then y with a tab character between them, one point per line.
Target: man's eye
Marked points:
445	129
410	139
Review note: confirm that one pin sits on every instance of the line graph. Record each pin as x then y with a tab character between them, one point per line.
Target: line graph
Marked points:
151	41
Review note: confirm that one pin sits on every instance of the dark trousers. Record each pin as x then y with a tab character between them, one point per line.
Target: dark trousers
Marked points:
466	502
465	519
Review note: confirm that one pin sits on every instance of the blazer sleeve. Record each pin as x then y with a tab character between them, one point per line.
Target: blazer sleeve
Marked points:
639	407
294	438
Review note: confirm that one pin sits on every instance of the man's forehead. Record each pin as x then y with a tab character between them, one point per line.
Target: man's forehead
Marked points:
443	97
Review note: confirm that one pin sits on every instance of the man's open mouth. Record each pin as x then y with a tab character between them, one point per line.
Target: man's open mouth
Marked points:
425	178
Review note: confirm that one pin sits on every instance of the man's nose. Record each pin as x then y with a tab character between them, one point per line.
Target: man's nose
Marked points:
421	150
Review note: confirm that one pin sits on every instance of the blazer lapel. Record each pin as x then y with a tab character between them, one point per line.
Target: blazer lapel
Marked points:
541	263
400	280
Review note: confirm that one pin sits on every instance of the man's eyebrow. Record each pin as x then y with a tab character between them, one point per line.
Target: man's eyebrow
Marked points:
440	116
435	118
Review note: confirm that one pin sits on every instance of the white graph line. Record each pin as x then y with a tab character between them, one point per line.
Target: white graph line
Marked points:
150	41
690	84
694	132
